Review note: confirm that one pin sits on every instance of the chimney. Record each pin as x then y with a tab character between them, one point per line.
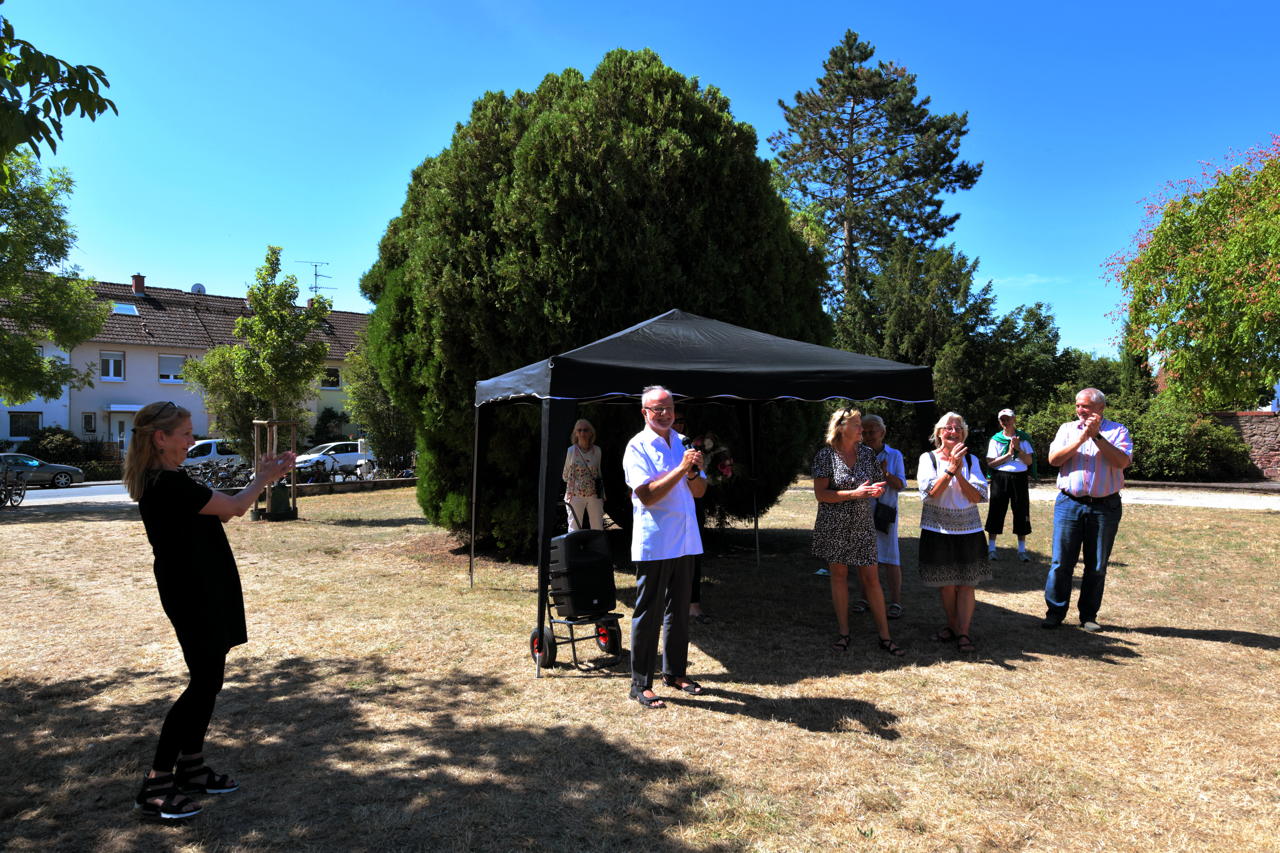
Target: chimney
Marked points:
139	283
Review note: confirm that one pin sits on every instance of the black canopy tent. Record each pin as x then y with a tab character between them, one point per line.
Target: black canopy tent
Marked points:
696	359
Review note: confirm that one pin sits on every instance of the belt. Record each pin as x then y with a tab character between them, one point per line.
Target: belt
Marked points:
1089	499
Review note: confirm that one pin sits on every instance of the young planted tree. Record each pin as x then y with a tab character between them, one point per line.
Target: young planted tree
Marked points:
866	154
275	370
1202	283
38	306
561	215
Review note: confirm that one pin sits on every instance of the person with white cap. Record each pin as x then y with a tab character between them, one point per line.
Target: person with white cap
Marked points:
1009	459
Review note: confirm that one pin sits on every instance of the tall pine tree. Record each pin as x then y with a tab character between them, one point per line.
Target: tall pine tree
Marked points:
866	153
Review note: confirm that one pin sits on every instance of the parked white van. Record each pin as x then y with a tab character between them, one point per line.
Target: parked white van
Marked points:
211	450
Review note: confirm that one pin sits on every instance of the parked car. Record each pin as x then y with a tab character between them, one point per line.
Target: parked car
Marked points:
42	473
211	450
335	456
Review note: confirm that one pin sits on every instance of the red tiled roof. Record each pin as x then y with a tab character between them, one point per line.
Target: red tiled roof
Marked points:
184	320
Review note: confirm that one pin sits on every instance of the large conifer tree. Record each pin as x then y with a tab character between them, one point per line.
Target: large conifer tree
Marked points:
866	155
556	217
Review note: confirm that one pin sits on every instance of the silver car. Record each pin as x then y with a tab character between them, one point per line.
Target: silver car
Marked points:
42	473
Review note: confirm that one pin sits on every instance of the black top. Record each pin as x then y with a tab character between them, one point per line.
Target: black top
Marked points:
195	569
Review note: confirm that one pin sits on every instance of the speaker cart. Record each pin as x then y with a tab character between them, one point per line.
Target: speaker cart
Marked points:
583	593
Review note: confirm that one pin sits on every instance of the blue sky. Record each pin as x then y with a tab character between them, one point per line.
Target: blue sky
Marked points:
244	124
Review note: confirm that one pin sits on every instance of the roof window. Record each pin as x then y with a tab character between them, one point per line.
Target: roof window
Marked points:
124	308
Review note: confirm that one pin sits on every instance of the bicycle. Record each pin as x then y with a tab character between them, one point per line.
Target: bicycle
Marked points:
14	487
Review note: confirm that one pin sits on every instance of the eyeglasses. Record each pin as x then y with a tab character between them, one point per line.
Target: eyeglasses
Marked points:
582	429
660	410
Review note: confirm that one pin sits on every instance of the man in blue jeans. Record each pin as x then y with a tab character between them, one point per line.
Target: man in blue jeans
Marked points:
1090	454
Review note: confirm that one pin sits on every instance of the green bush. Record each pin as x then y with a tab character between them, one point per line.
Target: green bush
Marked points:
54	444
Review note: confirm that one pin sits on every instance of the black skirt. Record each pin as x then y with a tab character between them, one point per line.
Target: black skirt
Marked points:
958	559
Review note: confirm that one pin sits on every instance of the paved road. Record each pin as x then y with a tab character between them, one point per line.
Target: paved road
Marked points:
92	494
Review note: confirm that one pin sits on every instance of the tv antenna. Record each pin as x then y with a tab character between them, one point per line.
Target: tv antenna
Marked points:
316	275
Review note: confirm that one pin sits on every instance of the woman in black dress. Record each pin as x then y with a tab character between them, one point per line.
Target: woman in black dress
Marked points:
199	589
846	477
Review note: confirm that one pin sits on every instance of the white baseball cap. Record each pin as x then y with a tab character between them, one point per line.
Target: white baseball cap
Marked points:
1005	413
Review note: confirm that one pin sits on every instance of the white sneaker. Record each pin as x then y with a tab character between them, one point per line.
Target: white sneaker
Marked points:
1091	626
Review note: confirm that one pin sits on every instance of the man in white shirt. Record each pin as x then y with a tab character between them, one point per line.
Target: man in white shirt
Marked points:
664	479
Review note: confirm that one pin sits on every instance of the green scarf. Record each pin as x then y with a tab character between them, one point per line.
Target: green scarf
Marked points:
1003	440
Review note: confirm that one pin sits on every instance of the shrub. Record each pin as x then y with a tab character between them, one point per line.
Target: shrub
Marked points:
102	470
54	444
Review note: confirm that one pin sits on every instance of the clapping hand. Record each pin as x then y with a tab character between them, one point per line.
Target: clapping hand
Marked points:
953	457
872	490
272	468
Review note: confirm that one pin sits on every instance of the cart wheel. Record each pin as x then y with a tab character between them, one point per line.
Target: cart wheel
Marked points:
609	638
542	649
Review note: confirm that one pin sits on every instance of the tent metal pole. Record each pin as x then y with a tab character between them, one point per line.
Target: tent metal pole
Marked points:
475	465
755	509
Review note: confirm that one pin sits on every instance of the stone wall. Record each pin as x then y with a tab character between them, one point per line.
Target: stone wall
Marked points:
1261	432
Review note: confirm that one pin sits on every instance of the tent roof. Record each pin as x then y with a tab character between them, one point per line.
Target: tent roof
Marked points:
695	357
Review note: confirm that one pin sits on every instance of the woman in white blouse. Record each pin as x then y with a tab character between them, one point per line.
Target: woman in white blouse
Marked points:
584	492
952	545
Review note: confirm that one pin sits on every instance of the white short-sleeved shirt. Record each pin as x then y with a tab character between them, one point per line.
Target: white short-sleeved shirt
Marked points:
668	528
1013	465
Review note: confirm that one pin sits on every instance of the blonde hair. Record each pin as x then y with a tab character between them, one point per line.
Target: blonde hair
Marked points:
573	436
942	422
838	417
143	457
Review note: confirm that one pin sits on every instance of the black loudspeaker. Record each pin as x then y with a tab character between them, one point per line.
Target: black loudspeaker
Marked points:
582	574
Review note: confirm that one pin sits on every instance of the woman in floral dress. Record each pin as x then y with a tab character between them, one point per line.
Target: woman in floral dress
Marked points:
846	478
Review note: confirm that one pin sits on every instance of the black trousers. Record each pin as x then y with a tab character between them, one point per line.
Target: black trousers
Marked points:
1009	488
187	721
662	601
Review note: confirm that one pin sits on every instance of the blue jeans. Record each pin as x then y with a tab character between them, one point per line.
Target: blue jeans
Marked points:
1076	526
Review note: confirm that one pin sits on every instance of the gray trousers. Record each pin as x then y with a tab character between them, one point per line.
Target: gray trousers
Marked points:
662	601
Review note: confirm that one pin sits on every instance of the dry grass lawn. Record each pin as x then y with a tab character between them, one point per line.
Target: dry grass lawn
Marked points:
381	703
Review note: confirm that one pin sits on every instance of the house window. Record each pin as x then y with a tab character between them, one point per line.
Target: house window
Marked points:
111	366
332	378
171	368
124	308
23	424
89	421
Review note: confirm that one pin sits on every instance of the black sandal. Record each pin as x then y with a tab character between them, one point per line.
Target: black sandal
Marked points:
192	777
688	685
841	644
965	643
172	805
891	647
652	702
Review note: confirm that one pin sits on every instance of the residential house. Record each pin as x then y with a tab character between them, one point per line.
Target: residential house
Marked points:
139	356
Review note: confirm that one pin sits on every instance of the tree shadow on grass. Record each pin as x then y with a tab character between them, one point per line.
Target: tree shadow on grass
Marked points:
335	755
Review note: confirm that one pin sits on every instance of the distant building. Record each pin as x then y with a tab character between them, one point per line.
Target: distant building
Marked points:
139	357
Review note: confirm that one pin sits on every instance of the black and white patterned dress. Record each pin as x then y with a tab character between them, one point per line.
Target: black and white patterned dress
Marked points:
843	532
